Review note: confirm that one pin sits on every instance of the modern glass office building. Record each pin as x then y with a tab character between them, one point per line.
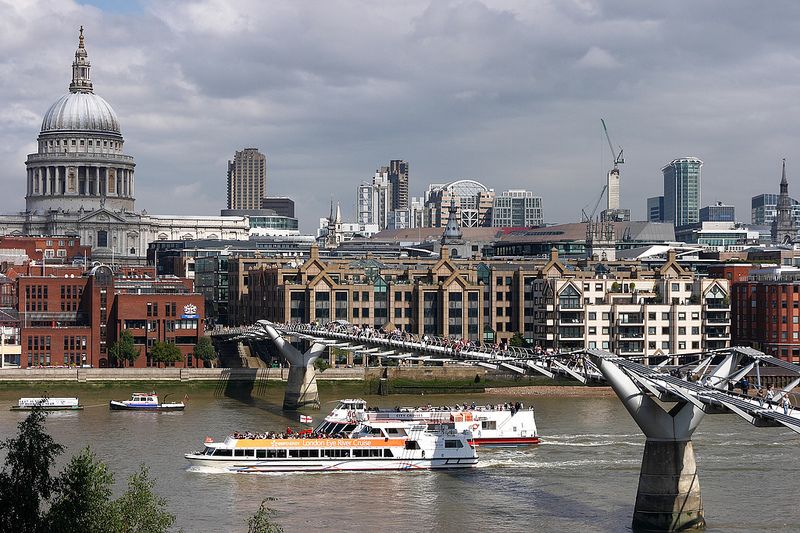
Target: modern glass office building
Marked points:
682	191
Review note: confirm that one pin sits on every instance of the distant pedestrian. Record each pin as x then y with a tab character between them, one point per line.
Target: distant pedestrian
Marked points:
787	404
745	386
762	395
770	396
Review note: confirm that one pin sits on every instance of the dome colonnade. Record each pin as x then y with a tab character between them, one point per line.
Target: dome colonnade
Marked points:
80	162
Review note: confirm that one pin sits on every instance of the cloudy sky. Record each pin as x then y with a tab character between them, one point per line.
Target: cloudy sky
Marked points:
508	92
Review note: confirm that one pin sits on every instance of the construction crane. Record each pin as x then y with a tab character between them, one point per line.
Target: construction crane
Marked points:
617	157
586	217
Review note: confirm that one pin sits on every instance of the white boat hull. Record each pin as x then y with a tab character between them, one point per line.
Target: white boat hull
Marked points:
206	464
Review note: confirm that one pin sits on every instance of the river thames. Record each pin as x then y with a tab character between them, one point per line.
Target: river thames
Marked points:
583	477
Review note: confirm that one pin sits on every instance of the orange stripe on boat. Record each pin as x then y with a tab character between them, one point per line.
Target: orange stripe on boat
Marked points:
319	443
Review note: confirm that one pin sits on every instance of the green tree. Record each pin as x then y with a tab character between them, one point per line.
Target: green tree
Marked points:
140	510
518	341
321	364
261	522
82	497
204	349
25	481
165	352
123	349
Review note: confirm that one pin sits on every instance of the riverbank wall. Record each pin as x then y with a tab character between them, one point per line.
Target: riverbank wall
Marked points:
84	375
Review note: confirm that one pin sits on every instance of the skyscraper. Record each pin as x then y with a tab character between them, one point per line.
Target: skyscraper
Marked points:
398	180
682	191
783	228
374	200
655	209
247	179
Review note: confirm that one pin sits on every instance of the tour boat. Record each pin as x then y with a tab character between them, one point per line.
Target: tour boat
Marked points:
47	404
374	446
490	425
144	401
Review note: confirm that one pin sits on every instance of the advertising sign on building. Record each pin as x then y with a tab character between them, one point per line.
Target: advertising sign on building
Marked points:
190	311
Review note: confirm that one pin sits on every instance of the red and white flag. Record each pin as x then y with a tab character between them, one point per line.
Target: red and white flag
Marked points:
305	419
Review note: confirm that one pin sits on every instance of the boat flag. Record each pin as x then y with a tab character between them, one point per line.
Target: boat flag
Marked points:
305	419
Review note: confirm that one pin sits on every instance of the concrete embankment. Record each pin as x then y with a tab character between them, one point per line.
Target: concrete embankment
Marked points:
83	375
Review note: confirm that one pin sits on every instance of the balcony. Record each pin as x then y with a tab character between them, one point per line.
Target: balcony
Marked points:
717	333
631	348
570	320
718	303
64	157
631	332
570	332
629	318
718	318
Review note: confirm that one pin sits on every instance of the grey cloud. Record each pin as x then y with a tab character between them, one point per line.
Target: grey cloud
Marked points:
507	92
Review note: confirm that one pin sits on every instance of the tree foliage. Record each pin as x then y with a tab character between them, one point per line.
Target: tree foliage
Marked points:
140	510
518	341
79	498
123	350
82	497
25	481
262	520
165	352
204	349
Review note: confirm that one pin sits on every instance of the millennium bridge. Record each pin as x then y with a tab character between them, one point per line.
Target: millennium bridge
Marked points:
667	407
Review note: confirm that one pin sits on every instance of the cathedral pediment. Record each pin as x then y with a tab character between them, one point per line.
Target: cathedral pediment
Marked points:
102	216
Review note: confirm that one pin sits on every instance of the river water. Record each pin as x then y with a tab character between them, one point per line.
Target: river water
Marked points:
583	477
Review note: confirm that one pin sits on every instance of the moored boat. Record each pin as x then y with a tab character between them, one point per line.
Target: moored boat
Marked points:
144	401
47	404
379	446
485	425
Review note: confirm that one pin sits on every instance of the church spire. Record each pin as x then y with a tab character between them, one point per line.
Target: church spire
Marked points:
783	173
81	82
783	226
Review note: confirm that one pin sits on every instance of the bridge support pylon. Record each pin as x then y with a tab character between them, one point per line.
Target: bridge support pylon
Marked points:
668	498
301	385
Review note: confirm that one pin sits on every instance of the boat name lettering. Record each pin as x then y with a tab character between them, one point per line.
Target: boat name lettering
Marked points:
319	443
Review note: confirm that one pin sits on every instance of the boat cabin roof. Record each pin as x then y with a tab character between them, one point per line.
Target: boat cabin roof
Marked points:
352	403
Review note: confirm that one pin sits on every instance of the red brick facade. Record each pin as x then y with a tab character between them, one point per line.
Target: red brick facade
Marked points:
73	320
766	316
59	249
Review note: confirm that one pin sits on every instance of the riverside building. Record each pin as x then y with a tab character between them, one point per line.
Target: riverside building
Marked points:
618	306
69	319
766	310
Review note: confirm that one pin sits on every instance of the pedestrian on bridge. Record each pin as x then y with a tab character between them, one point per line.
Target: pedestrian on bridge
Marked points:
745	386
770	396
787	404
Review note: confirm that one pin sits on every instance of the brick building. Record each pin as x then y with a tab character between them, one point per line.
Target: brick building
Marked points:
55	249
73	320
766	312
618	306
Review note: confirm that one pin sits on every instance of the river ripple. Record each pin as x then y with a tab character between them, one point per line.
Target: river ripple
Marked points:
583	476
